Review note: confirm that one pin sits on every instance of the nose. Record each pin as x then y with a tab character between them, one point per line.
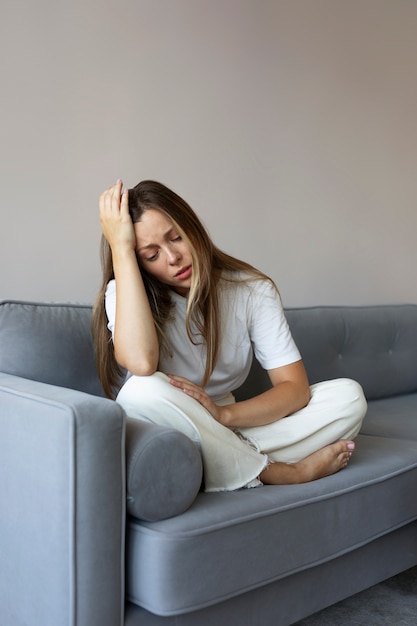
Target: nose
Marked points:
173	256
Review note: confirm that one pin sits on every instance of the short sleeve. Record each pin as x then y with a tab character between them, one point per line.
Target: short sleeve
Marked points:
110	305
271	337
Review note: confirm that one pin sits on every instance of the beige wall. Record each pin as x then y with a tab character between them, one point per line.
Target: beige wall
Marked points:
289	125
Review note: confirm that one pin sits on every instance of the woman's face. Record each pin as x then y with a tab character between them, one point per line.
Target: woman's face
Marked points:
162	251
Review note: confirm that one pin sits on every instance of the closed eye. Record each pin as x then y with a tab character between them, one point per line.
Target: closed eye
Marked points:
152	258
171	236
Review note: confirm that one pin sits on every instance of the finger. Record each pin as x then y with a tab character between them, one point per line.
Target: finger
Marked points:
194	391
180	383
124	203
117	188
187	387
105	199
109	192
105	203
178	379
115	195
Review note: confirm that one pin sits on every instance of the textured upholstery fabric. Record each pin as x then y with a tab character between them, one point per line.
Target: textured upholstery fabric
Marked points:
291	598
62	494
164	471
270	555
375	345
230	543
50	343
390	417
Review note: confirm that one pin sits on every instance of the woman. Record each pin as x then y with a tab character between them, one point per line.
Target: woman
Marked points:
185	324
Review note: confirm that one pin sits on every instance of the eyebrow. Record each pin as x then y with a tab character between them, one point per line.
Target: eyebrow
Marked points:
155	245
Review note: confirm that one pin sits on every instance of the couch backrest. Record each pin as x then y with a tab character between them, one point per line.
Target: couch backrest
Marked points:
375	345
50	343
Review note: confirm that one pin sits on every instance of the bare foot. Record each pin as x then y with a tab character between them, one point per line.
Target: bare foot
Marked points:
324	462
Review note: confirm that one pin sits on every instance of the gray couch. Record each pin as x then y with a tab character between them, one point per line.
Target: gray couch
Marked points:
103	522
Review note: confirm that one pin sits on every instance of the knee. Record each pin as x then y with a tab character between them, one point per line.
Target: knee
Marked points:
147	388
354	390
354	396
343	396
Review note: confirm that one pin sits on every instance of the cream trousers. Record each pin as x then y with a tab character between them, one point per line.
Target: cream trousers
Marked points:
234	458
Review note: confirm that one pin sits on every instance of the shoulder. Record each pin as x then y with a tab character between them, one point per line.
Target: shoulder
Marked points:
250	285
253	297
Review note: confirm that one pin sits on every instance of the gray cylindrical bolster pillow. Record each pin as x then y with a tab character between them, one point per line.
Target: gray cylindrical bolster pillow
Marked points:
164	471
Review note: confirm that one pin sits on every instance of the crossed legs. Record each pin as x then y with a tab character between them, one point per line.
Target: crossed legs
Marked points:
323	462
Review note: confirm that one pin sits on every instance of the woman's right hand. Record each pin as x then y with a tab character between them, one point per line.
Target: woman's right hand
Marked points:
116	223
136	345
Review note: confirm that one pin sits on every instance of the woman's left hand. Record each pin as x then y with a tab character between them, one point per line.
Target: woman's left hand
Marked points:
196	392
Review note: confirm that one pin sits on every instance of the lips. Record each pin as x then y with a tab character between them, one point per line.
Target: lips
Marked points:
184	272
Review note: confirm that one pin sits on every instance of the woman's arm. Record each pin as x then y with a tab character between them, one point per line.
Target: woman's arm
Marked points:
290	393
135	338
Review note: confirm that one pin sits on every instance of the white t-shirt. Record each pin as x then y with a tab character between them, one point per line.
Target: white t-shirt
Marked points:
252	322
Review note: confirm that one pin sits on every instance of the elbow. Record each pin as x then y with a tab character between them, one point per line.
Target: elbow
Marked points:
142	369
143	366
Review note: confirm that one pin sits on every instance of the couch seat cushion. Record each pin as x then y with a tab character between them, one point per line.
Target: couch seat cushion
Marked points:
392	417
229	543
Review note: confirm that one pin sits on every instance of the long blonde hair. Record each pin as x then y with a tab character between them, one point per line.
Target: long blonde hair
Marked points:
203	309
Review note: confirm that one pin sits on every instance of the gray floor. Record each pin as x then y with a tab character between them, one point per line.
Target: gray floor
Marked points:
391	603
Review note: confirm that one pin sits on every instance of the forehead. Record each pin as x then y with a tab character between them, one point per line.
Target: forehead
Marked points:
153	226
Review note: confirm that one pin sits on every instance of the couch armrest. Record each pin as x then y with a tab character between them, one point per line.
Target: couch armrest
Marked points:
62	494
